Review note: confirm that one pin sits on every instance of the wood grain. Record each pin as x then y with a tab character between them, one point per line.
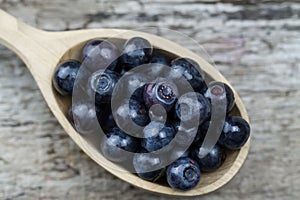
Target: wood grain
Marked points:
254	46
48	49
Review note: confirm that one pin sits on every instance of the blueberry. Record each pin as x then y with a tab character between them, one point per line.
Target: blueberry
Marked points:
90	46
189	133
115	142
70	117
102	83
176	125
131	109
235	134
212	161
159	59
187	110
190	70
201	132
98	54
105	117
157	135
179	153
184	135
203	89
160	91
65	75
131	81
144	163
82	116
229	93
136	51
158	113
183	174
138	112
138	94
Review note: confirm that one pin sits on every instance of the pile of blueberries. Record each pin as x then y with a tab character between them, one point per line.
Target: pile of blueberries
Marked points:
106	65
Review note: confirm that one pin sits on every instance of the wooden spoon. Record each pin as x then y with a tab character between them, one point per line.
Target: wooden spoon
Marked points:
42	51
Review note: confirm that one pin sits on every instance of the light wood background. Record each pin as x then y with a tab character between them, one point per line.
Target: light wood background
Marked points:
255	44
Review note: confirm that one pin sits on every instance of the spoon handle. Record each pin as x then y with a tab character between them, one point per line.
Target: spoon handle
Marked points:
17	36
37	48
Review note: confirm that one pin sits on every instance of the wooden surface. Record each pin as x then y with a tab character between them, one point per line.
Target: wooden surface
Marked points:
254	44
39	48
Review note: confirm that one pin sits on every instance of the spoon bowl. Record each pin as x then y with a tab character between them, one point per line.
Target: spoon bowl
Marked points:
42	51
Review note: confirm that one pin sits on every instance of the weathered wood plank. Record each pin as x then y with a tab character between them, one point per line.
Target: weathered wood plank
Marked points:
254	44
